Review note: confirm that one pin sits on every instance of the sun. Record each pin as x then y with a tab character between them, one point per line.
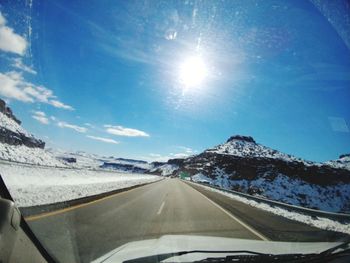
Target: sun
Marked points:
193	71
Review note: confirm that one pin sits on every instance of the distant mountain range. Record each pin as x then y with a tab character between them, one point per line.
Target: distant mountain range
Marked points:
240	164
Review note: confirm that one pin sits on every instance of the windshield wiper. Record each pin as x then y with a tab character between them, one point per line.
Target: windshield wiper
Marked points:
251	256
245	256
344	246
161	257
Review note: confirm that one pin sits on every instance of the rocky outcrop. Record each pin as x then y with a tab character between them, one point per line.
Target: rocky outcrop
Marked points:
241	138
8	112
12	133
14	138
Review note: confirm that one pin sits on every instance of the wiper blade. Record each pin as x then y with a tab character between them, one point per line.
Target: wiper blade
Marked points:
343	246
244	256
265	258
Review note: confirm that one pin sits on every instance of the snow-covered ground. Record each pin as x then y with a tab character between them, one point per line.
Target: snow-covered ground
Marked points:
24	154
35	185
94	161
332	198
319	222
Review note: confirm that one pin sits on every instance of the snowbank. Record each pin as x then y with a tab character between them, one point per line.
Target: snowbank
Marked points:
332	198
319	222
34	185
24	154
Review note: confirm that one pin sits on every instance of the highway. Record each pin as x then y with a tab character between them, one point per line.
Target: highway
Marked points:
85	232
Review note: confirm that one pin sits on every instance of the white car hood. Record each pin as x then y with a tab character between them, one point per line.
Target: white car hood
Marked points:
175	243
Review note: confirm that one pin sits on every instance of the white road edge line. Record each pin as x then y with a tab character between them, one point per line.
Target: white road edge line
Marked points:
235	218
161	208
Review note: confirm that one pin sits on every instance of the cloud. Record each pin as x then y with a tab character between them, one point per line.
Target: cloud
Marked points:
9	40
107	140
13	86
122	131
155	157
40	117
77	128
59	104
17	63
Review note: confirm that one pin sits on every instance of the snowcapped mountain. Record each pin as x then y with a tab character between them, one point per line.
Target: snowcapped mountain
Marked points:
242	164
245	146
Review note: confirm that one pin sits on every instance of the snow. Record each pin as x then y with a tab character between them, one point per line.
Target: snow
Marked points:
249	149
24	154
93	161
34	185
343	163
11	125
166	169
331	198
319	222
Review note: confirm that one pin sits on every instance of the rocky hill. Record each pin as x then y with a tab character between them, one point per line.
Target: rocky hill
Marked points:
11	131
244	165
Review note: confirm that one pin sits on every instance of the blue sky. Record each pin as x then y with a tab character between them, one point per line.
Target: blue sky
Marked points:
107	77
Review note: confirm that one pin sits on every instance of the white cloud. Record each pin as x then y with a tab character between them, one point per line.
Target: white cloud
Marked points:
155	157
13	86
107	140
9	40
122	131
17	63
40	117
59	104
77	128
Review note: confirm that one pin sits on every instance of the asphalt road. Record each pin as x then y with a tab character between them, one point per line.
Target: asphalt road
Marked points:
85	232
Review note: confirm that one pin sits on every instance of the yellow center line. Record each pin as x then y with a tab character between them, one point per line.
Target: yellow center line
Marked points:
67	209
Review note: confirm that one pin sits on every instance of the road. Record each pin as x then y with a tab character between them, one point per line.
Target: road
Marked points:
85	232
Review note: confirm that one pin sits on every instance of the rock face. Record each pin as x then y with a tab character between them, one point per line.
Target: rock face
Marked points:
241	138
12	133
8	112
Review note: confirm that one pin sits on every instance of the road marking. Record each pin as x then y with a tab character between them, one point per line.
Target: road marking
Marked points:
67	209
255	232
161	208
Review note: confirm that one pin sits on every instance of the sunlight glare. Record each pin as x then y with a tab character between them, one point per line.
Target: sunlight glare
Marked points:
193	71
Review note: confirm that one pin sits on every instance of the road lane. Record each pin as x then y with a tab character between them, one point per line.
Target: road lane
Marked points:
167	207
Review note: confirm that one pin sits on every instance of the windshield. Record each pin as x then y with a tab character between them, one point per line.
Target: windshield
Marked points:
126	121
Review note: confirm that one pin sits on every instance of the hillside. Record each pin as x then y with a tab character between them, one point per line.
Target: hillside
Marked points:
242	164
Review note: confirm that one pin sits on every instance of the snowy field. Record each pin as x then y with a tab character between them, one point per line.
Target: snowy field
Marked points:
35	185
319	222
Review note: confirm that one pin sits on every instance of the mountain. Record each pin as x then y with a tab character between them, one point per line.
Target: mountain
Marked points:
82	159
343	162
18	145
11	131
242	164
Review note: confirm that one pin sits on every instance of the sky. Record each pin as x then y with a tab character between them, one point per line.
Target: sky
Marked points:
155	80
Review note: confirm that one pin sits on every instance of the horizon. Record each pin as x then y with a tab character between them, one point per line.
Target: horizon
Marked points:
151	82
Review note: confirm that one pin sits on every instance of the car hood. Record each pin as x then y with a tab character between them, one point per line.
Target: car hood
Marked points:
175	243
